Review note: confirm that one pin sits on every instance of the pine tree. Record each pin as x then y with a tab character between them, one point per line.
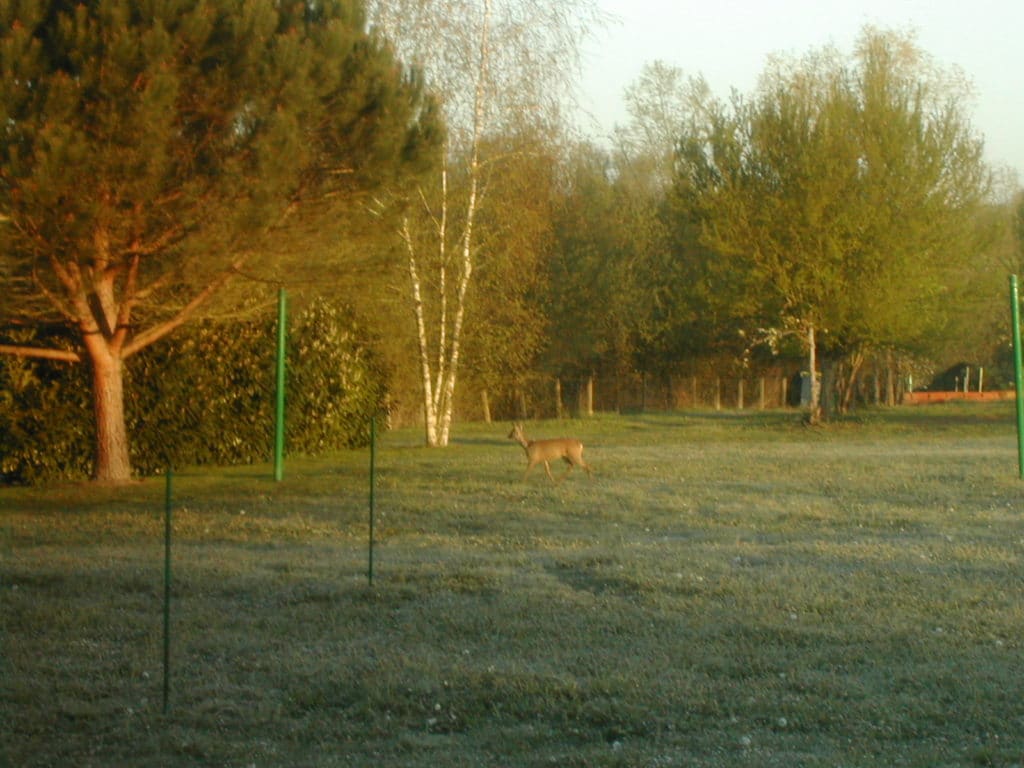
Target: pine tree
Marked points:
153	149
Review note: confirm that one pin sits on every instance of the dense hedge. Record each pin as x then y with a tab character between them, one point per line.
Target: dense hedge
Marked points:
46	426
205	396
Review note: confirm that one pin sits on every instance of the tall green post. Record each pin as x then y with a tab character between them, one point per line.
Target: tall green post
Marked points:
373	482
167	589
279	405
1015	314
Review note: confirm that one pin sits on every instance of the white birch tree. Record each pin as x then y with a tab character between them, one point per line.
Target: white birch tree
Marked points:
495	65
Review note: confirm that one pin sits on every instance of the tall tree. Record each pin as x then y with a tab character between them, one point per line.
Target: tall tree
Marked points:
846	189
1018	230
662	104
585	296
604	273
497	65
514	224
152	151
668	302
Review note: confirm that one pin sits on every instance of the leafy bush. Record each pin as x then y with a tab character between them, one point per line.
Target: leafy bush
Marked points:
334	386
46	414
203	398
206	396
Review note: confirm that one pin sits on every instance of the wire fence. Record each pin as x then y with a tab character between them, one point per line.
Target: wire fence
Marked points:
546	398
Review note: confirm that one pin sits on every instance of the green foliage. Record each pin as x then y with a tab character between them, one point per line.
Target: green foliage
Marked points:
600	296
151	149
204	398
513	231
334	386
1018	231
847	192
46	426
172	131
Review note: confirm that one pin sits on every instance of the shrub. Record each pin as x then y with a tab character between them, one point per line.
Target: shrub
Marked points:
205	396
335	385
46	415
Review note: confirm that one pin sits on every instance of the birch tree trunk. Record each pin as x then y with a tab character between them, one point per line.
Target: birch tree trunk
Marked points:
495	65
429	411
814	406
439	359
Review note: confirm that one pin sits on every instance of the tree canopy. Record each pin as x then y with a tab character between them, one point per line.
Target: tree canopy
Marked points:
165	160
847	189
150	151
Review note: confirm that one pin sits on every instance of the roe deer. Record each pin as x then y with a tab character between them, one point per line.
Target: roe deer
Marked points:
544	451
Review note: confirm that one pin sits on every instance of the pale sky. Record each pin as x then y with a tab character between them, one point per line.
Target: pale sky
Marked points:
728	42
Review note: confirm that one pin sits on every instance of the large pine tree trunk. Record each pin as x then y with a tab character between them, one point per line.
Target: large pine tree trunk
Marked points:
113	464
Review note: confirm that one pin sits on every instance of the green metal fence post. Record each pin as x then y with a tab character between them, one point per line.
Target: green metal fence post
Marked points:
373	462
1015	315
279	405
167	589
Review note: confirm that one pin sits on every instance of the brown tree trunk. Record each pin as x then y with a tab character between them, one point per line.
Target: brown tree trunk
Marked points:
485	401
850	385
113	464
890	378
814	400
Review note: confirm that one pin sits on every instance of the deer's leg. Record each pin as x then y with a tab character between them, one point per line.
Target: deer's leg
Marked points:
547	468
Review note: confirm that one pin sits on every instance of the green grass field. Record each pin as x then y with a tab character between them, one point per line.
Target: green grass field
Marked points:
728	590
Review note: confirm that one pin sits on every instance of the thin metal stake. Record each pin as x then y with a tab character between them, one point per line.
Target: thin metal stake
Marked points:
373	461
279	417
167	590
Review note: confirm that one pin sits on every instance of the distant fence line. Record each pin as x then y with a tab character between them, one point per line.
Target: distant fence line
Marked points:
923	398
547	397
557	398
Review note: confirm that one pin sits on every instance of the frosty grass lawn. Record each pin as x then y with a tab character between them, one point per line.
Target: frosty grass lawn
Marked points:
728	590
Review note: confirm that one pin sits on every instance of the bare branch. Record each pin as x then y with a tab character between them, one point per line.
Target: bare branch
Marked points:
58	303
124	311
157	332
41	353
